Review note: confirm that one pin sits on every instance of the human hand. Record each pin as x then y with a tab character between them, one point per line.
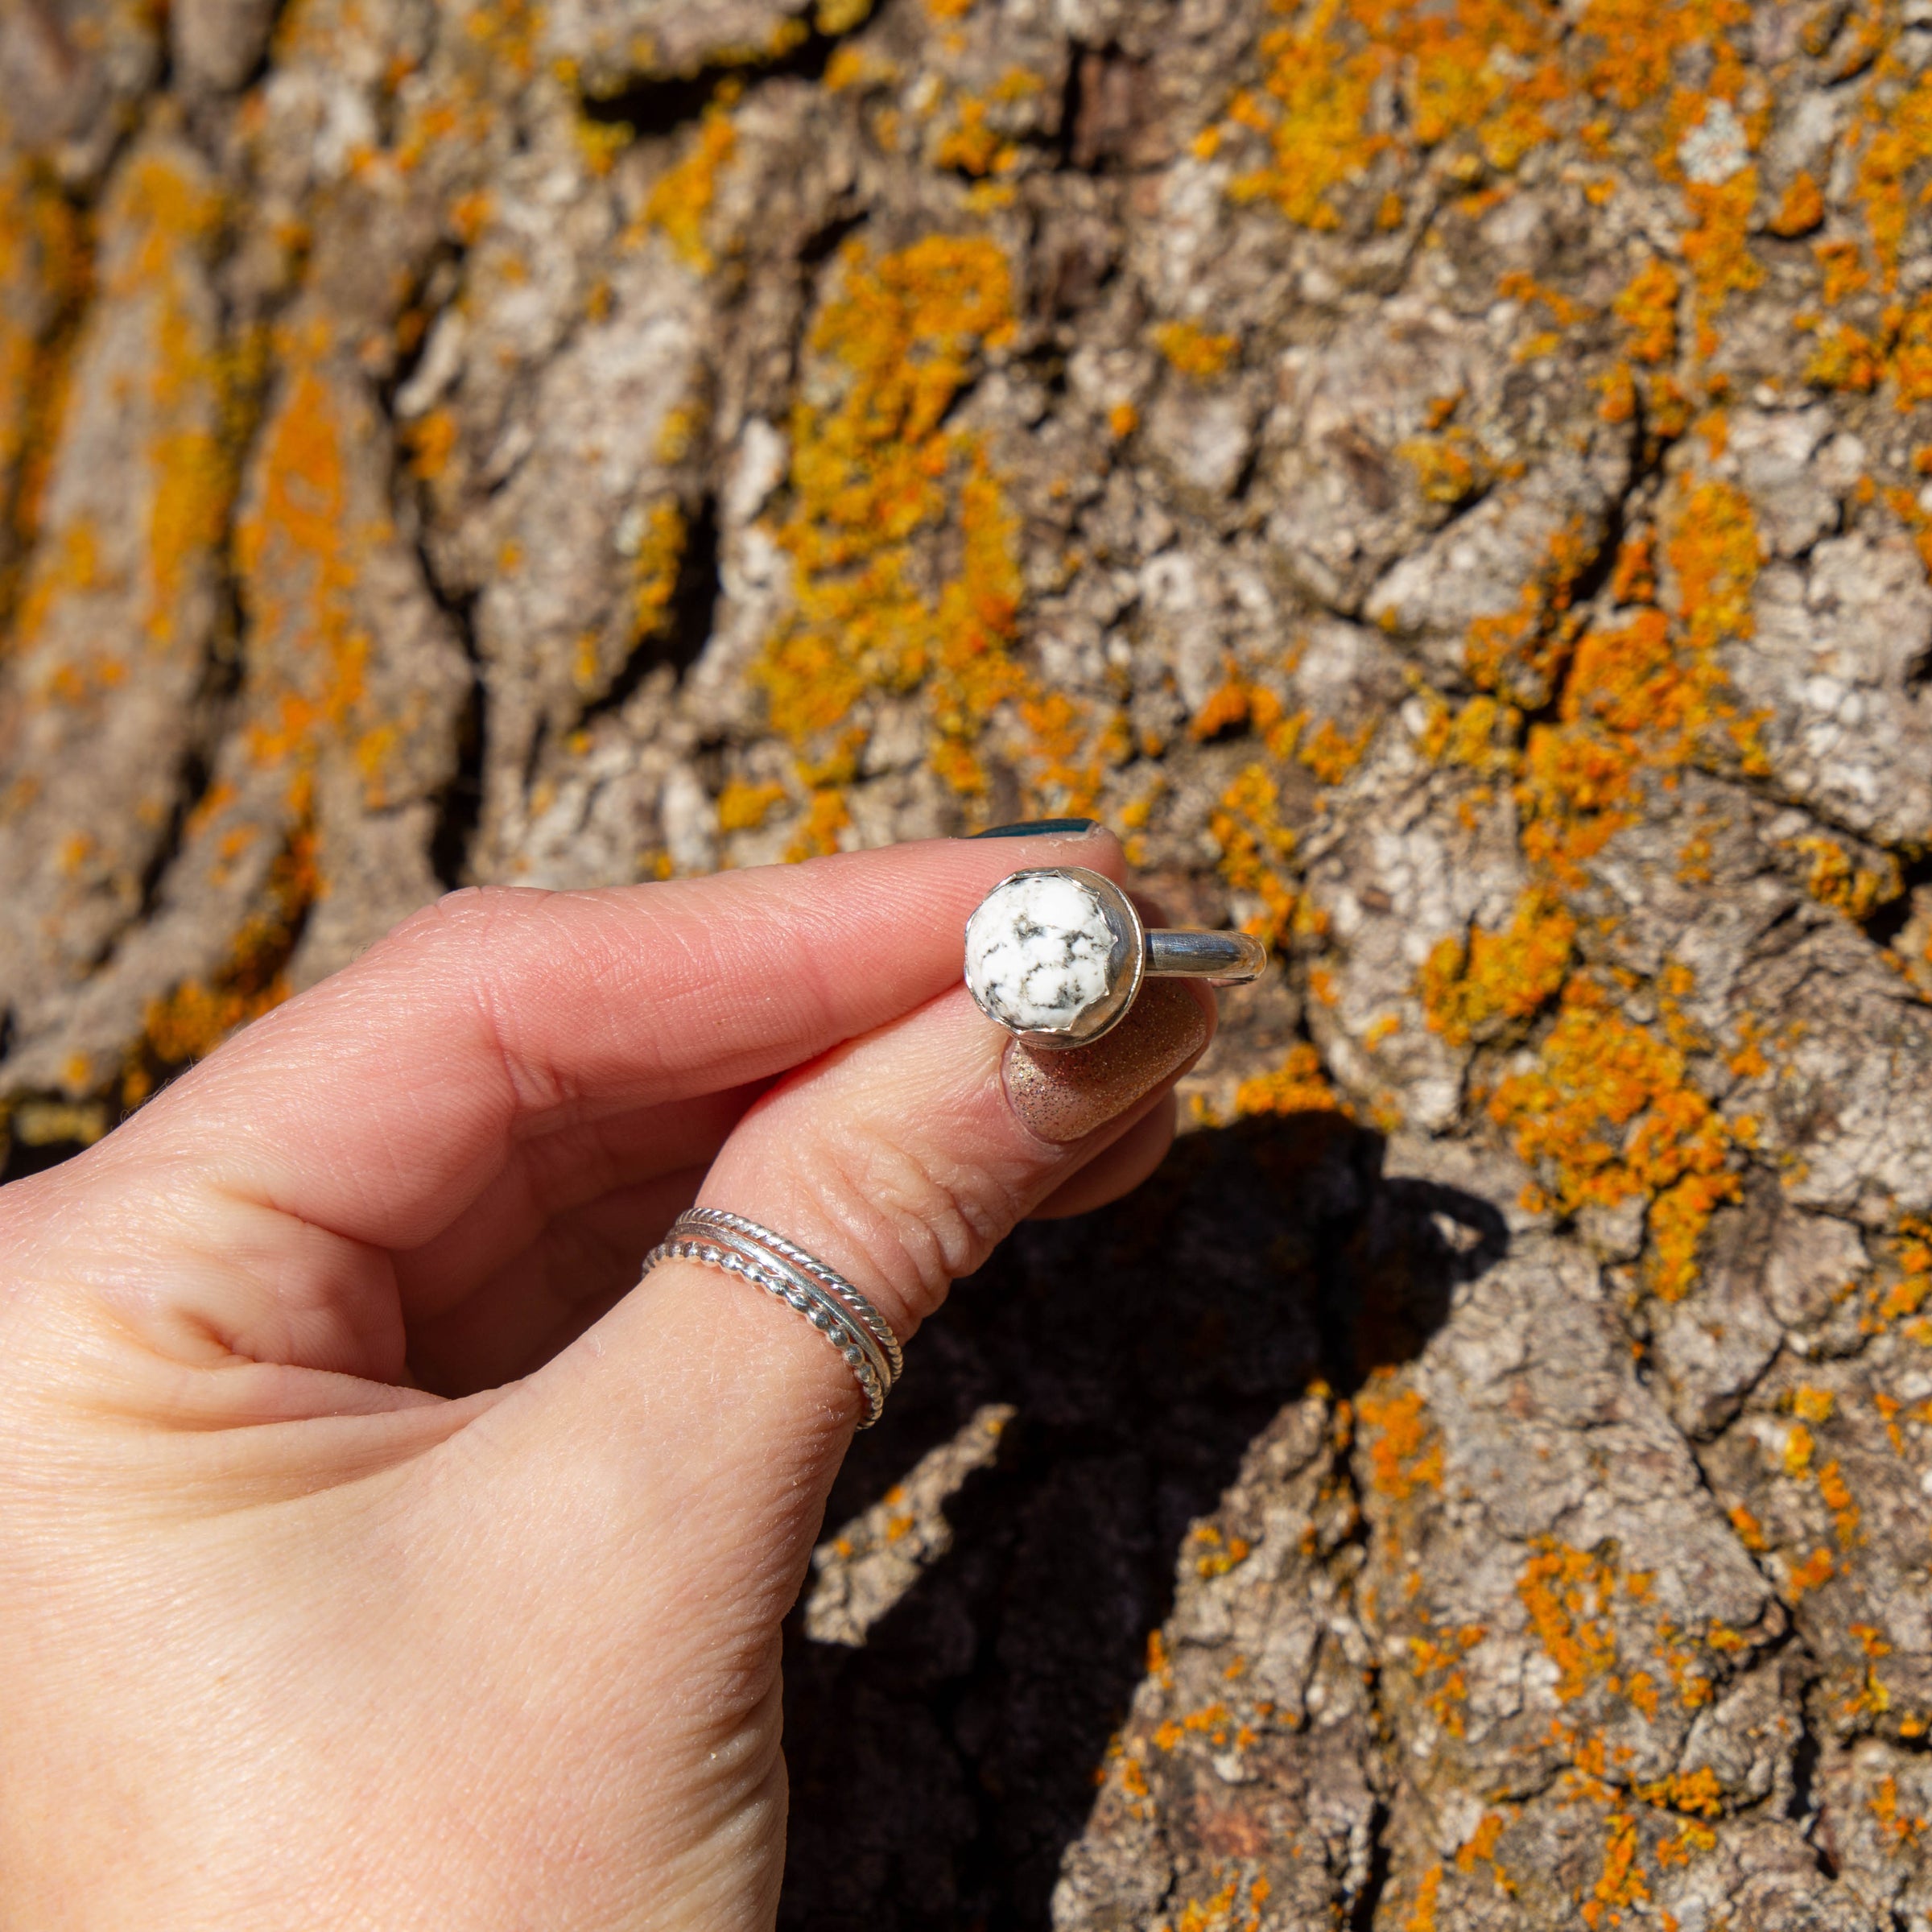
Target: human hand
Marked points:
369	1556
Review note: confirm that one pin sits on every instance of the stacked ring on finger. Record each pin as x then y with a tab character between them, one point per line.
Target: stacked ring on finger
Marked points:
863	1336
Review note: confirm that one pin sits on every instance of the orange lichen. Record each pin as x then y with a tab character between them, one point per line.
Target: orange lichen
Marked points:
1812	1404
1298	1085
875	476
1606	1115
1519	653
1844	358
1648	306
431	439
972	145
1255	845
1836	879
1567	1594
1469	987
188	1023
653	573
1813	1573
1839	1500
1897	142
681	201
1621	1882
1713	548
1422	1914
1195	352
1219	1555
744	807
1900	1831
1445	466
1359	80
1717	248
1802	208
300	552
1404	1453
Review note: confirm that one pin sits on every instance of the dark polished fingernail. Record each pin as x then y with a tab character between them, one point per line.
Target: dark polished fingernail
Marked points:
1039	828
1061	1095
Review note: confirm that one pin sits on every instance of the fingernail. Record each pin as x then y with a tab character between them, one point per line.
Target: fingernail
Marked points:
1039	828
1063	1097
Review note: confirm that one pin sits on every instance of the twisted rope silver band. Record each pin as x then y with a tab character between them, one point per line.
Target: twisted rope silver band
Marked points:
834	1283
837	1310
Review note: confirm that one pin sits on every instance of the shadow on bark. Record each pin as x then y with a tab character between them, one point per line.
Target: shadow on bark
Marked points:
938	1772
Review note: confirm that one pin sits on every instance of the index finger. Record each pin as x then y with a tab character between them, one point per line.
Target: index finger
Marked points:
381	1102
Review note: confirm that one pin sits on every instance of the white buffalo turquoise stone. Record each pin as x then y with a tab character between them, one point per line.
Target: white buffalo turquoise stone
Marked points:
1038	951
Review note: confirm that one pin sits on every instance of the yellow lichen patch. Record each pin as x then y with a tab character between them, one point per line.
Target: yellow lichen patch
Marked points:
1813	1573
1404	1453
169	221
681	201
1636	44
1900	1830
1567	1594
744	807
1801	210
1255	847
1838	1498
1421	1913
1717	246
1195	351
1834	879
1843	358
654	571
1620	1884
1607	1115
301	547
972	145
1812	1404
1479	1848
1446	471
1897	142
1519	653
826	819
431	439
1298	1085
189	1022
1467	987
45	273
1713	547
875	476
1488	70
1219	1553
1648	306
296	555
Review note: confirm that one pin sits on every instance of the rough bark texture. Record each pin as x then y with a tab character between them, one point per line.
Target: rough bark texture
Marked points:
1446	481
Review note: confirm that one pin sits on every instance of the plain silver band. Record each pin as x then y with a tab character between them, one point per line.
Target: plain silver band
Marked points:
1230	957
829	1279
842	1315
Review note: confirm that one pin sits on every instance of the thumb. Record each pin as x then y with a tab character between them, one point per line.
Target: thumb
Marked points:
704	1416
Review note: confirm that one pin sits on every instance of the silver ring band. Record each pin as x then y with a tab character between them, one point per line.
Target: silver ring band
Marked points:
834	1283
1230	959
832	1304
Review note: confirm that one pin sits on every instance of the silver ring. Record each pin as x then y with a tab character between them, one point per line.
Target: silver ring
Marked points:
1056	954
834	1283
863	1337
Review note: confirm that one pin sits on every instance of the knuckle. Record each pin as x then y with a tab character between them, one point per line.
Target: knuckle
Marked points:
922	1222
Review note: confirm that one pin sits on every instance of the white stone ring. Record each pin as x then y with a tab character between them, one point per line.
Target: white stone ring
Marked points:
1056	955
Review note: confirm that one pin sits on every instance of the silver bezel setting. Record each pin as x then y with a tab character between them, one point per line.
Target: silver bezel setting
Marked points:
1126	962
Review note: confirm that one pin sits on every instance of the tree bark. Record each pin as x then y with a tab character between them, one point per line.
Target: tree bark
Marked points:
1450	485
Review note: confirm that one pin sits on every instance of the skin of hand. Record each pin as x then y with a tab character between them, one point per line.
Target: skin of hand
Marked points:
368	1555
